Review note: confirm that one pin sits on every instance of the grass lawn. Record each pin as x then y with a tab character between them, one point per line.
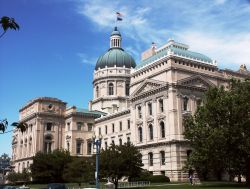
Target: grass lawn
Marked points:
205	185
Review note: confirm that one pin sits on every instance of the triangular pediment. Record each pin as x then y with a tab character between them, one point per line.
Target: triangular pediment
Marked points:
147	85
196	81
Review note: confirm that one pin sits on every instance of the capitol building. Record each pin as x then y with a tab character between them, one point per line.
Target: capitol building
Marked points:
143	103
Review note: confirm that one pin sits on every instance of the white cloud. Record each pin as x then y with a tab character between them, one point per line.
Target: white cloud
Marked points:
86	60
228	51
215	28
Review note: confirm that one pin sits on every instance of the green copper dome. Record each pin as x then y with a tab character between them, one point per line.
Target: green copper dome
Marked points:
115	32
115	57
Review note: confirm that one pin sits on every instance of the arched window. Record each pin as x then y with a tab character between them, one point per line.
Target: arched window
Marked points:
106	145
18	169
140	134
89	146
150	159
97	91
185	103
162	128
151	132
68	146
120	141
23	166
127	89
111	89
30	143
128	139
48	144
162	153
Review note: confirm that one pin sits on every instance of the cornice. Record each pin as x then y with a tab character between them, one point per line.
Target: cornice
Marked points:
118	77
42	99
110	98
221	78
144	146
150	92
111	116
82	115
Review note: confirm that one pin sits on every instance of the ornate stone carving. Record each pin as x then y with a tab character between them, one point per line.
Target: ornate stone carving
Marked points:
139	122
120	84
150	119
161	116
68	137
103	85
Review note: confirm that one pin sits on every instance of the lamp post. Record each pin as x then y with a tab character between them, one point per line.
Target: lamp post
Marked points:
97	141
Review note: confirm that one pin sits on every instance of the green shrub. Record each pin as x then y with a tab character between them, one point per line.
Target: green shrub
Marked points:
147	176
158	178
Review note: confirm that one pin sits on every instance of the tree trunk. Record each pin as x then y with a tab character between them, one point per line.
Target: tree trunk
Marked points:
239	178
116	183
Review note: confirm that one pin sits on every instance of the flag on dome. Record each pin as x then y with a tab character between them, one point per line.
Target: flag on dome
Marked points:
153	45
119	16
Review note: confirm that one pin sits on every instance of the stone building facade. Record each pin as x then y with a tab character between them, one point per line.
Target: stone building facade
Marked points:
167	85
51	125
144	104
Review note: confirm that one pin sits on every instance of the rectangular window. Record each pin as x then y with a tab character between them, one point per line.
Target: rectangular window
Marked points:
139	112
106	129
127	89
79	126
113	127
49	127
150	108
89	146
120	126
161	105
150	159
162	157
90	126
78	146
100	131
185	103
128	123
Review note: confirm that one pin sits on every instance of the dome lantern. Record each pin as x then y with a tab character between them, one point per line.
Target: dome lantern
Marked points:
115	56
115	38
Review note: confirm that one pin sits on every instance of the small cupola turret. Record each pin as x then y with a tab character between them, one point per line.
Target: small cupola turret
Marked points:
115	38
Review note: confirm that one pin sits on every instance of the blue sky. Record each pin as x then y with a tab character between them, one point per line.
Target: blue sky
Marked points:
54	52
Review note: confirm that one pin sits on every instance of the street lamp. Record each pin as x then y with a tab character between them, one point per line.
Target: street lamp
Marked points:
97	141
